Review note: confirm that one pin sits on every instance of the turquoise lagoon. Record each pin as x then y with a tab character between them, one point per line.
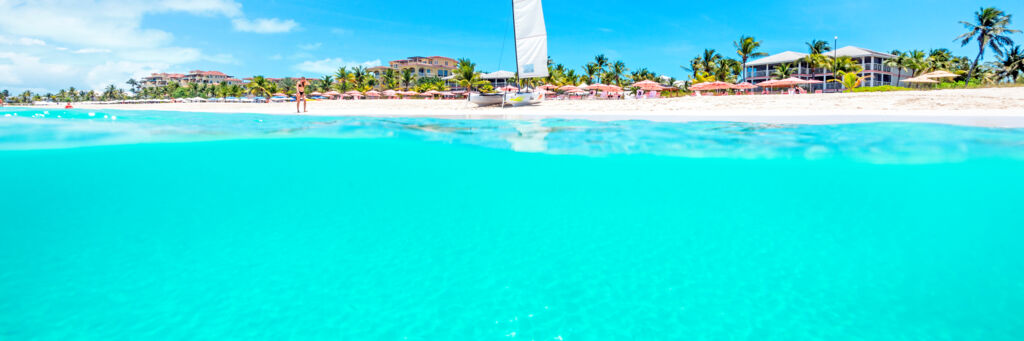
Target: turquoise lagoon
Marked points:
162	225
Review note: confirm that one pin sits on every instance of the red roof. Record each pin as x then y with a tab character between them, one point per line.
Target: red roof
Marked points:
207	73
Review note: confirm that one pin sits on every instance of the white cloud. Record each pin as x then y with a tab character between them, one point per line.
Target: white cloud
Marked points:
330	65
273	25
310	46
99	42
341	31
228	8
89	51
23	41
21	68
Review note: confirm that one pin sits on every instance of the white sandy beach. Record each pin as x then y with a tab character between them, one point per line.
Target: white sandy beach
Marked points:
997	107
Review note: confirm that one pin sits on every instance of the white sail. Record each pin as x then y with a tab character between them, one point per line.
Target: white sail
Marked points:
531	39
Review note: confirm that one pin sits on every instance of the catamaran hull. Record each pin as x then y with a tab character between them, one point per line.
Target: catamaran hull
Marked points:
509	99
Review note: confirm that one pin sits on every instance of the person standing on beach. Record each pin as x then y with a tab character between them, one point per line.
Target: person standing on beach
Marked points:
300	96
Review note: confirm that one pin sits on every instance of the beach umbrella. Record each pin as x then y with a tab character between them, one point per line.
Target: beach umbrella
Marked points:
647	85
940	74
279	94
390	93
920	80
548	87
432	92
508	88
372	93
317	93
569	88
744	86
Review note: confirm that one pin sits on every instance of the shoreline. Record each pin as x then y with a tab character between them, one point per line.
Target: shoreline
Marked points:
991	107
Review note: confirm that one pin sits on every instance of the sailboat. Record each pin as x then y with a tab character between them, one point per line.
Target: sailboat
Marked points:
531	54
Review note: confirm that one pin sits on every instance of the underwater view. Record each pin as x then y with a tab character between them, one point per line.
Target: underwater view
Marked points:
165	225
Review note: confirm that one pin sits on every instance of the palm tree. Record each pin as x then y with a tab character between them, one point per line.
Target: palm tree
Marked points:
727	69
466	75
615	72
389	80
134	84
818	61
709	59
849	80
989	29
818	46
696	66
261	87
325	83
783	71
918	61
601	61
898	62
407	78
747	47
110	92
1011	65
344	78
591	70
846	64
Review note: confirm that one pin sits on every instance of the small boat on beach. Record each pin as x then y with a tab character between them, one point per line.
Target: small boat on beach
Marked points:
531	55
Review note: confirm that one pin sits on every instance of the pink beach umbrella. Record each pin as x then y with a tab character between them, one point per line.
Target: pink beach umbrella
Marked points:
647	85
569	88
548	87
508	88
390	93
744	86
372	93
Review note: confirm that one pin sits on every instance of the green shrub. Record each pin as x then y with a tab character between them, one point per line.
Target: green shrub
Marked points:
883	88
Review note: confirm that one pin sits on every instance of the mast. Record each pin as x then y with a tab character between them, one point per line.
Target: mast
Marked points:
515	44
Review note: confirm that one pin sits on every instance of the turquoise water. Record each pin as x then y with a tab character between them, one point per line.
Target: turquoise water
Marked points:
261	227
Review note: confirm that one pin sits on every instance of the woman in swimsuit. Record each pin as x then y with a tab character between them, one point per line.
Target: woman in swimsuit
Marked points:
301	96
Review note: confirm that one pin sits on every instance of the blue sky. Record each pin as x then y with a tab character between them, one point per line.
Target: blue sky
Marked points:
51	44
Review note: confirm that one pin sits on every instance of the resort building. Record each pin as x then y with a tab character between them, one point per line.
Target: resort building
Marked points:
195	76
435	66
161	79
763	69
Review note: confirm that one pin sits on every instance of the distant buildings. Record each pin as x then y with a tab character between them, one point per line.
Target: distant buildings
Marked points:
195	76
435	66
763	69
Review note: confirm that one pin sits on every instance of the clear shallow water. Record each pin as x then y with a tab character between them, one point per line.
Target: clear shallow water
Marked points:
387	229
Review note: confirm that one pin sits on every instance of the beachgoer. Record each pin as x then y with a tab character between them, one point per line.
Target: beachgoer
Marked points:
68	106
301	95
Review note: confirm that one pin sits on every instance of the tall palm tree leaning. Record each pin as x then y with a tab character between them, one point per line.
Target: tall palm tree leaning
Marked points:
747	47
989	29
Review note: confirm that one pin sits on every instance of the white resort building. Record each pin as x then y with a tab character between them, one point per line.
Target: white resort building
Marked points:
763	69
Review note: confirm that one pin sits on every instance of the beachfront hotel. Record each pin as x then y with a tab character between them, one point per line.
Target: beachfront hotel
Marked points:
763	69
194	76
435	66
